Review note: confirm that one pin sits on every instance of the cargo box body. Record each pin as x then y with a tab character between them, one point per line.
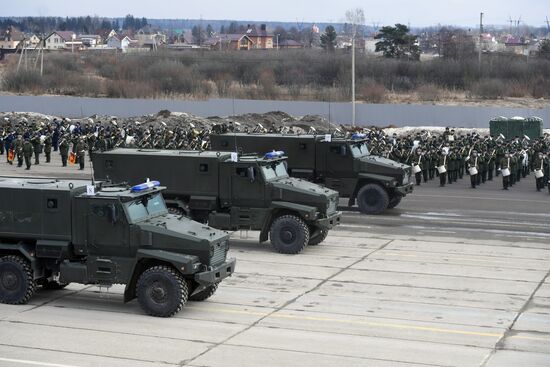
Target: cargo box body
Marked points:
516	126
196	176
37	209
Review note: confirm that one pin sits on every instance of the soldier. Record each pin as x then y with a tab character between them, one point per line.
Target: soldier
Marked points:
416	160
506	168
64	150
473	168
27	152
539	167
442	166
36	146
81	148
18	148
2	137
48	147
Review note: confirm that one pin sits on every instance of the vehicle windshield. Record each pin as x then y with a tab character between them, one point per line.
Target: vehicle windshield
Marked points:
145	207
274	171
359	149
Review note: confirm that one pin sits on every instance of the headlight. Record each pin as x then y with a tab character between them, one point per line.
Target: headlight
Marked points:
406	178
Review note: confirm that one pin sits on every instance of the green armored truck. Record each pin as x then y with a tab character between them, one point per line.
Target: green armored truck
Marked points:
53	233
345	165
232	192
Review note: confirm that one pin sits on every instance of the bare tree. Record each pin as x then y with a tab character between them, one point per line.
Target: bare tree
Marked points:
357	19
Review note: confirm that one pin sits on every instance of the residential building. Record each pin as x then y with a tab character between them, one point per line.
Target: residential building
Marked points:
121	42
90	40
148	36
230	42
59	40
32	40
260	37
11	38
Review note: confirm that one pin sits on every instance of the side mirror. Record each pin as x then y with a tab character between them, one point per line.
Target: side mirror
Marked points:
113	215
343	150
250	174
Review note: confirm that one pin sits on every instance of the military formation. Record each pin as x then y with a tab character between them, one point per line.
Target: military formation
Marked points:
447	157
450	156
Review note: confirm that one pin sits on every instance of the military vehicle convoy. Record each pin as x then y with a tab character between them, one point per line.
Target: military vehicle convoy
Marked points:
232	192
53	233
345	165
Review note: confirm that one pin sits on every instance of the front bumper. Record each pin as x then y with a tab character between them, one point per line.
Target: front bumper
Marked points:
329	222
405	189
216	274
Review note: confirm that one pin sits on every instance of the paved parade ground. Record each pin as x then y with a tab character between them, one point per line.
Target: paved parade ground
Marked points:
452	277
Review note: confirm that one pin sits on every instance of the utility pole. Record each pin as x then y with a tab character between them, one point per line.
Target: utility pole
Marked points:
480	38
353	80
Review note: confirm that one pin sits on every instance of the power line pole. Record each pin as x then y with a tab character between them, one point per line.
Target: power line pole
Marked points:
353	80
480	38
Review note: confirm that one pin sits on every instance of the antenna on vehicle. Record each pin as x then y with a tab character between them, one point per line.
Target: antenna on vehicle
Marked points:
91	170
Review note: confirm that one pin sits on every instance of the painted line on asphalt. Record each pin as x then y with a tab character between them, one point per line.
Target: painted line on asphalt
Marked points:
34	363
476	197
370	323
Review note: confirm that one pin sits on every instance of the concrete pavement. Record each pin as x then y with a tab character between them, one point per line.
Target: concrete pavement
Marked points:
452	277
367	300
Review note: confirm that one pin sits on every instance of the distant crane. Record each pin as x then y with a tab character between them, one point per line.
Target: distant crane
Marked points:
548	25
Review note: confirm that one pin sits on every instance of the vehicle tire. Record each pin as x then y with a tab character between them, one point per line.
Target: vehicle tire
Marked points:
205	293
372	199
289	234
52	285
320	236
17	284
161	291
394	201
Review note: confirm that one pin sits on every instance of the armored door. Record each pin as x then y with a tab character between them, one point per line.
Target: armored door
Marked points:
108	241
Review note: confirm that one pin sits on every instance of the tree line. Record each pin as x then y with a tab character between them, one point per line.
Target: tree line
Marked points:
85	25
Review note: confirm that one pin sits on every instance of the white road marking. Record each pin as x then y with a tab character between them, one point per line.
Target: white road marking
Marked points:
34	363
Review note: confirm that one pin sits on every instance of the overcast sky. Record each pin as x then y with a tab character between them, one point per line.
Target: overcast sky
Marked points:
415	12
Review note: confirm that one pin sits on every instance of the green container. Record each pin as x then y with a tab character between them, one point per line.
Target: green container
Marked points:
516	126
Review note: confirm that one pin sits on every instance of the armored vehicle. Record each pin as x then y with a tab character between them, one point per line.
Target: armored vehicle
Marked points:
55	232
345	165
232	192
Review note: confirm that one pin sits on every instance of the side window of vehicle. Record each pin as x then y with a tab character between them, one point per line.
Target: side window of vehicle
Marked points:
241	171
335	149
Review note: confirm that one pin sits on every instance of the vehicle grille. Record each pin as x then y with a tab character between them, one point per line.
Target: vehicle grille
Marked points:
220	253
406	177
333	205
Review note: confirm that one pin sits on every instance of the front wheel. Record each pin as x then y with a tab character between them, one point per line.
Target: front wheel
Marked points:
319	237
205	293
394	201
372	199
17	284
161	291
289	234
